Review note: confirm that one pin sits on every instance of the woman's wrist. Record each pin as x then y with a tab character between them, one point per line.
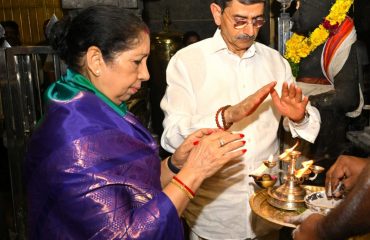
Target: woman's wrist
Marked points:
191	177
174	169
183	187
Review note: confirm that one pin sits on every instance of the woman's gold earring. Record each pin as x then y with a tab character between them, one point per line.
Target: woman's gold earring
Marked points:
98	73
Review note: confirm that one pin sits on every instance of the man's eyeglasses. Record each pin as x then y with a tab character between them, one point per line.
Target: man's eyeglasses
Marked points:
256	22
240	23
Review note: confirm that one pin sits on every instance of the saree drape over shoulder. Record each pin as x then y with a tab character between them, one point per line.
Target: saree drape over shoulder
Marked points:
93	171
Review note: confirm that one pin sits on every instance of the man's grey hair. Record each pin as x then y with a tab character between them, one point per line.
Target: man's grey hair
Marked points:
224	3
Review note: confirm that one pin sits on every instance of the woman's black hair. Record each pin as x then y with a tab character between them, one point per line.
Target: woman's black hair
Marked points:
110	28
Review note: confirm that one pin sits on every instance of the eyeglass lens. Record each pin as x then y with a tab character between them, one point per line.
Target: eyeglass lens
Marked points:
256	22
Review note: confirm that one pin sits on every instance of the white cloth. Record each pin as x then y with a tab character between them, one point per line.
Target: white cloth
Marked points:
202	78
336	64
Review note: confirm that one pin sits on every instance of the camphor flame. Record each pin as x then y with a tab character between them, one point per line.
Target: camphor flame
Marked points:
306	165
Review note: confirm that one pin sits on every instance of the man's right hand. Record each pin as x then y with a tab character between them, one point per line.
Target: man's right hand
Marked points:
246	107
345	169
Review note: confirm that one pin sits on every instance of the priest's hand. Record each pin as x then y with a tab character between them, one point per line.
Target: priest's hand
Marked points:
309	228
345	170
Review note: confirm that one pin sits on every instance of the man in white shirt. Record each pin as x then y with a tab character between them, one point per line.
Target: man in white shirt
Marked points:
229	69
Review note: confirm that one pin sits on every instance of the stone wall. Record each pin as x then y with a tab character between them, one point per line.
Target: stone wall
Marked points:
185	15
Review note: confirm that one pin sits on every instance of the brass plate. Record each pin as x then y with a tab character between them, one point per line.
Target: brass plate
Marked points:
262	208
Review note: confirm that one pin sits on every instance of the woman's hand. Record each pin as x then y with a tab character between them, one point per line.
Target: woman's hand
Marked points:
214	151
202	154
181	154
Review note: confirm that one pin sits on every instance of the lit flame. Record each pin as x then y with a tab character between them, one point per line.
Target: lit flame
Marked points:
306	165
271	158
288	151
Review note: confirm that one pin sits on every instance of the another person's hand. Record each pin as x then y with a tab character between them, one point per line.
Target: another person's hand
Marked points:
345	169
308	229
246	107
214	151
292	103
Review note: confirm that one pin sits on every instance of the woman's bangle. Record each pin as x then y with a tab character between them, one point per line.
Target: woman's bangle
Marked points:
184	185
189	193
172	167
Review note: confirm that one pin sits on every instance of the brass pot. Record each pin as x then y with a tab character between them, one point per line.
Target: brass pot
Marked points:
163	46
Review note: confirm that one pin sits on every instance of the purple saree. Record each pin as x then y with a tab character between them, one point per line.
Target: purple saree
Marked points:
93	174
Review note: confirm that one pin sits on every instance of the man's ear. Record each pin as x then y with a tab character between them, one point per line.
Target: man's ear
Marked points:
94	60
216	13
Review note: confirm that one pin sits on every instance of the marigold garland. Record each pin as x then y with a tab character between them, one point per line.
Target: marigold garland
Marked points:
298	46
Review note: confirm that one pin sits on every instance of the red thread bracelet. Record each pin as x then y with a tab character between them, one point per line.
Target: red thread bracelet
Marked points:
184	185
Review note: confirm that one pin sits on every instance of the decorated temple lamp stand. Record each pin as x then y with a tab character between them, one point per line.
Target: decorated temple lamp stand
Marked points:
275	203
290	195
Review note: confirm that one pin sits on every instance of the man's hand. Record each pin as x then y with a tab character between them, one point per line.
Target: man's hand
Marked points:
291	104
249	105
345	169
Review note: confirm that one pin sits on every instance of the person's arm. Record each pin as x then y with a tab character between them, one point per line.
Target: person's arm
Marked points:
112	195
202	161
350	218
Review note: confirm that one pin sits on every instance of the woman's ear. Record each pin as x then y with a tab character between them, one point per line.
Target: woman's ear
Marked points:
94	61
216	13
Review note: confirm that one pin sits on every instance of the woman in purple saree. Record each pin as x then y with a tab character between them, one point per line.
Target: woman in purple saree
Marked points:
92	169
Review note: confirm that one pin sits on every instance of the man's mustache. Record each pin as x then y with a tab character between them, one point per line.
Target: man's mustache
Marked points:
245	37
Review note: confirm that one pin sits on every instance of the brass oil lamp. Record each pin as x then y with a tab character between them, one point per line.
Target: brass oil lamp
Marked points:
290	195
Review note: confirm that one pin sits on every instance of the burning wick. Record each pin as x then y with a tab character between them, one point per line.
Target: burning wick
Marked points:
270	163
306	165
288	151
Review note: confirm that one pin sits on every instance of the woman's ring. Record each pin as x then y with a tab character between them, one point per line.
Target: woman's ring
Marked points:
222	143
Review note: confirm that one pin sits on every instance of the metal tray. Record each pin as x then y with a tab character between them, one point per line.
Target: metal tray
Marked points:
262	208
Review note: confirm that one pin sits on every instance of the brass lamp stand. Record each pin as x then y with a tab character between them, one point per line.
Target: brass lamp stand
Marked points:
290	195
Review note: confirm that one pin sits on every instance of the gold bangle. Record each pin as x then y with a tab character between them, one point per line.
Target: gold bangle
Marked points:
184	190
